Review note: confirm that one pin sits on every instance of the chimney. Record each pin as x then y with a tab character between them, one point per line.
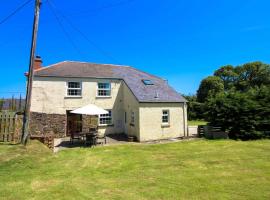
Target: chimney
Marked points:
37	63
166	81
156	95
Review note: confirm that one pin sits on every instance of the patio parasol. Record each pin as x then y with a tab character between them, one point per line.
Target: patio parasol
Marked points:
90	109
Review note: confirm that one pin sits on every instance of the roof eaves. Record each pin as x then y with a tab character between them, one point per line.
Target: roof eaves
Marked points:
161	101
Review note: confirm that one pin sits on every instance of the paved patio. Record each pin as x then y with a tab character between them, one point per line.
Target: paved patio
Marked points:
64	143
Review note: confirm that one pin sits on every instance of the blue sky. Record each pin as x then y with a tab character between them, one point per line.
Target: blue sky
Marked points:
180	40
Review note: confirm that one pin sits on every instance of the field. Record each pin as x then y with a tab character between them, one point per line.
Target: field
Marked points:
198	169
196	123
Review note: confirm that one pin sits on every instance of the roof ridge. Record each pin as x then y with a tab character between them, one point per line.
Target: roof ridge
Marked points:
46	67
145	72
96	63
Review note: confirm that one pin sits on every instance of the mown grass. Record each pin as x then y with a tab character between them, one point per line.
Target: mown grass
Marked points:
200	169
196	123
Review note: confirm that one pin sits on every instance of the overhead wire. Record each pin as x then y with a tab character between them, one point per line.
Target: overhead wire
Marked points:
15	12
68	36
111	5
104	53
11	92
51	7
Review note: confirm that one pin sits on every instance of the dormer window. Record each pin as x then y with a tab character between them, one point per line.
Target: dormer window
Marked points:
147	82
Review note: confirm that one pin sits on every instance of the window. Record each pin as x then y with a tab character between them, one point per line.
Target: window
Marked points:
105	119
147	82
125	117
104	90
165	116
74	89
132	119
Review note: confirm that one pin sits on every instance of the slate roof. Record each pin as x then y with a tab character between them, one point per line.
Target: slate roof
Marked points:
132	77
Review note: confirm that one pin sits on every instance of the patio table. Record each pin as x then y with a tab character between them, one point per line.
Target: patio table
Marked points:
90	137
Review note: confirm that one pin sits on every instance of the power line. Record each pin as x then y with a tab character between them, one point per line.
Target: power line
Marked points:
90	41
12	92
104	53
63	28
111	5
14	12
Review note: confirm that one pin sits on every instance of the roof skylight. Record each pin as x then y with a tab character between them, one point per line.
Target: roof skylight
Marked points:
147	82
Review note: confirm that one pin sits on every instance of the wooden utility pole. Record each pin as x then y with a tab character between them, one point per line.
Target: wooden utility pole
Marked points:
26	118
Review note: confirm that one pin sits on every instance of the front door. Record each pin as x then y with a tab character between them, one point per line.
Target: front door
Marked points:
74	123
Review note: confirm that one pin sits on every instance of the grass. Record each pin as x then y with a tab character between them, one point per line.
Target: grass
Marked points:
196	123
200	169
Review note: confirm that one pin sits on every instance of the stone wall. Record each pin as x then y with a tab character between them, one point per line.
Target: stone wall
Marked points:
42	124
88	122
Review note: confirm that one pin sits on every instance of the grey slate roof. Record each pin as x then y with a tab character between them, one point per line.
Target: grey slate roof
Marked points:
132	77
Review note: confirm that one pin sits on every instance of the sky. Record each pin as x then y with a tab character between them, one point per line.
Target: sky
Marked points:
182	41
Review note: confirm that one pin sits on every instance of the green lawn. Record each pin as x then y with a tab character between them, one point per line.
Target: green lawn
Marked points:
196	123
201	169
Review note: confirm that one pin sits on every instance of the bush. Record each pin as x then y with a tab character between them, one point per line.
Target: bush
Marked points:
245	115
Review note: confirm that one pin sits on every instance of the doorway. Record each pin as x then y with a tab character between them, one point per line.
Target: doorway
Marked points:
74	123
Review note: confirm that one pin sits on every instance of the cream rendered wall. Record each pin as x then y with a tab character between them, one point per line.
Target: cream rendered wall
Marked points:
151	127
131	104
49	96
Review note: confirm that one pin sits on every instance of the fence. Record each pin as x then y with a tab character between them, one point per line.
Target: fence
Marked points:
212	132
10	126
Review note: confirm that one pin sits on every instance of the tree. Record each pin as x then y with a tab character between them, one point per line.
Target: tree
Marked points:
228	75
237	99
1	104
210	86
252	75
12	105
245	115
20	103
195	109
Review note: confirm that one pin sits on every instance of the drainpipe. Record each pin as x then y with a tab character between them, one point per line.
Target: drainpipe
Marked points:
184	119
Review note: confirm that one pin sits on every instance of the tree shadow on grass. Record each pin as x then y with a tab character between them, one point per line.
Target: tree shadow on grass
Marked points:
10	143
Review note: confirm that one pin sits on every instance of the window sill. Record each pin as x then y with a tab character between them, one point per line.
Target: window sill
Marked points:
103	97
165	125
73	97
105	125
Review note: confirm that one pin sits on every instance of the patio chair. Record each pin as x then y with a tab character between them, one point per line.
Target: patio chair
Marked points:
93	129
101	137
75	136
90	139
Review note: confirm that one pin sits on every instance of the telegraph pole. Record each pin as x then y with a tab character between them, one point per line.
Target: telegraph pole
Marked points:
26	118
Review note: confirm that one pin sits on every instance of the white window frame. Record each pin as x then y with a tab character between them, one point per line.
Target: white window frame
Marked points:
165	115
106	117
67	89
107	89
